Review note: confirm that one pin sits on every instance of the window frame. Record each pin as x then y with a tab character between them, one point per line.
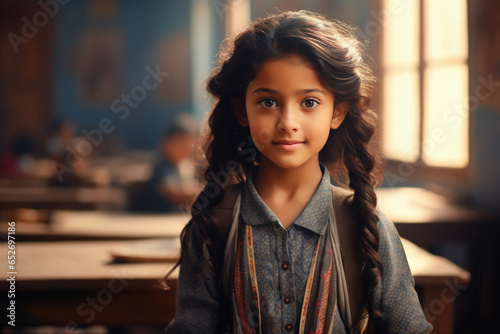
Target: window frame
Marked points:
399	172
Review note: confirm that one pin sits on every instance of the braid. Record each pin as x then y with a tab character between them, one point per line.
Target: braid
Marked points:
220	164
361	166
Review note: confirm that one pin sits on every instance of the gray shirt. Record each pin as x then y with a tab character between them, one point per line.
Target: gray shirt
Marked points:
282	291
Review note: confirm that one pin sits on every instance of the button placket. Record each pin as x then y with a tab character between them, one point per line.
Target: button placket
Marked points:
288	312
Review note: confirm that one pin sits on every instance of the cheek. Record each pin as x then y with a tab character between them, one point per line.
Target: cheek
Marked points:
261	136
320	133
261	127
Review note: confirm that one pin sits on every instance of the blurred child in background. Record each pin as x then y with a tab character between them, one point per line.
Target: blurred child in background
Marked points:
172	185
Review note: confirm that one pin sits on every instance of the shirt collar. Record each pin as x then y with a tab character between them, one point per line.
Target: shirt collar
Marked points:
314	217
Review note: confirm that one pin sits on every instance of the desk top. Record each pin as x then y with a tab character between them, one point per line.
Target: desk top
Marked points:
98	225
78	265
87	264
44	197
407	205
430	269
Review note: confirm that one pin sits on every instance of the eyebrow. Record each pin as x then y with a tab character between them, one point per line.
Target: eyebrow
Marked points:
303	91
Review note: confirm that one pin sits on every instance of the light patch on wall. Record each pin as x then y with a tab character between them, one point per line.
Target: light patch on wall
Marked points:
264	8
101	9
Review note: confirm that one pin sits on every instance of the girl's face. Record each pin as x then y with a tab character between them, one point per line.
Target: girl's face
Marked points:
289	112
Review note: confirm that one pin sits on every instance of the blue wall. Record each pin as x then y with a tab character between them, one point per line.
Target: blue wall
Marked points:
141	26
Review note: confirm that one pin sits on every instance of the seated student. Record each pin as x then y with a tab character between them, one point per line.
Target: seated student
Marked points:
18	162
172	184
62	135
69	164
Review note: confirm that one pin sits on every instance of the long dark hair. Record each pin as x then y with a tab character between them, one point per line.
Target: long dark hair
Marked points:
334	51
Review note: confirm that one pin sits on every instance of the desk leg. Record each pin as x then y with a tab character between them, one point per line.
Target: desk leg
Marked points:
439	308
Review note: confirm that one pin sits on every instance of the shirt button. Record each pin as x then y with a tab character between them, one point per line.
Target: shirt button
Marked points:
287	300
285	265
288	327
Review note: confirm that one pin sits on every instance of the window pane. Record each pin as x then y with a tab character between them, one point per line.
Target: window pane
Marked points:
401	120
446	116
445	29
401	34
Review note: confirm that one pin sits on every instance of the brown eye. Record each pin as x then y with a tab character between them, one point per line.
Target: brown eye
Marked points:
268	103
309	103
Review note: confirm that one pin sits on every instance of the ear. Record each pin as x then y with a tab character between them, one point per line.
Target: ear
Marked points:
339	114
240	112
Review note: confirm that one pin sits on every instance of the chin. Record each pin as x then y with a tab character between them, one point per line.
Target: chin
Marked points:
288	163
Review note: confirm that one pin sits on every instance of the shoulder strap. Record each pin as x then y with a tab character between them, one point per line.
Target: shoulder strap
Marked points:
347	226
343	301
223	216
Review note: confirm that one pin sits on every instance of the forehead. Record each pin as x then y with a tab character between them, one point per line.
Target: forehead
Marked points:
292	72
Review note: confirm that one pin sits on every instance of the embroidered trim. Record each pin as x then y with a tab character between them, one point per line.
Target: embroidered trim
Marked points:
253	272
239	293
307	294
324	299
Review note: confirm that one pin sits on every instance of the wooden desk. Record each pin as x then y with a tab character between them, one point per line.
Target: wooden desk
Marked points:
441	281
418	205
99	225
69	198
428	218
76	282
68	283
435	222
127	167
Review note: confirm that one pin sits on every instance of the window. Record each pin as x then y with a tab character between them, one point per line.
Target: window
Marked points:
425	82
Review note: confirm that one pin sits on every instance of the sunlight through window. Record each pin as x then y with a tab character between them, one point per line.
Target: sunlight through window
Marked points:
425	83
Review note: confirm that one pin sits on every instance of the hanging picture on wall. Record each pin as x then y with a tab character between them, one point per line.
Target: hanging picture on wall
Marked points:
172	56
98	66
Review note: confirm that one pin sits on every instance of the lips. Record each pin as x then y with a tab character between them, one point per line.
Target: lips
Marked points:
288	144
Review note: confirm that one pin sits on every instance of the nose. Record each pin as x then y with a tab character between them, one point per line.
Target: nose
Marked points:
288	120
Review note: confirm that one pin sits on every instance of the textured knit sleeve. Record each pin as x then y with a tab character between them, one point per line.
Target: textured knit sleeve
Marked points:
198	298
395	295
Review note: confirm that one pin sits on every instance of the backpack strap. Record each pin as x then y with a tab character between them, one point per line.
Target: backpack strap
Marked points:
347	226
223	216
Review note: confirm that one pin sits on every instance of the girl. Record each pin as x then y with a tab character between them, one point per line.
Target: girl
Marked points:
297	255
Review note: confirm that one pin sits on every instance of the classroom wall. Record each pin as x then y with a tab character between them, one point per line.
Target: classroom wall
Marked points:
485	159
484	76
127	64
353	12
163	31
104	50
